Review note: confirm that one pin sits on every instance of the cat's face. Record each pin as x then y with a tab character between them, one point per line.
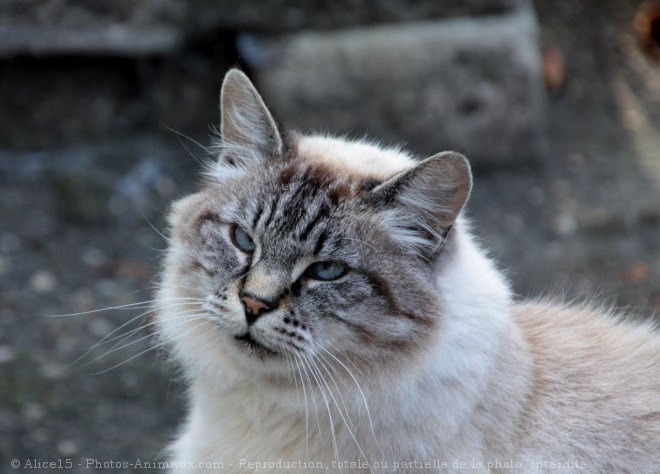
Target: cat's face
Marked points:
293	256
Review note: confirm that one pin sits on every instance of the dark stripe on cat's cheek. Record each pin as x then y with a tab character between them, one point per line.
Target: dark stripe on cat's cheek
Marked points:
381	287
361	331
399	346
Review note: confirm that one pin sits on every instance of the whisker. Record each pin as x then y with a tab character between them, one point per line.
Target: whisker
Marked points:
157	287
307	361
183	135
145	351
137	305
141	315
362	395
302	383
347	358
289	365
180	315
192	317
308	371
165	238
339	410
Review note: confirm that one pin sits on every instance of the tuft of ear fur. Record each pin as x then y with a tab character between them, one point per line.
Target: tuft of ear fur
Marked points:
249	131
420	205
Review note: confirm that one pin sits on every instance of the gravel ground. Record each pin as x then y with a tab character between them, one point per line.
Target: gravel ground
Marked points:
80	231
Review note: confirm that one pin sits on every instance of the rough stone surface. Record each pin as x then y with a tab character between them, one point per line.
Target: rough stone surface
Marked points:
58	102
75	26
470	85
155	26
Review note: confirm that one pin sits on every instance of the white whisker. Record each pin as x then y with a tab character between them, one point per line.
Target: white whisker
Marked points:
186	319
137	305
105	339
145	351
364	398
312	372
339	410
306	406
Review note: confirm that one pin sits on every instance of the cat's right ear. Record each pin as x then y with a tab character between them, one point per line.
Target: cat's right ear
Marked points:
419	206
248	129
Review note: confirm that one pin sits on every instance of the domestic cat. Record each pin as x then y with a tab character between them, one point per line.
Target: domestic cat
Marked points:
330	310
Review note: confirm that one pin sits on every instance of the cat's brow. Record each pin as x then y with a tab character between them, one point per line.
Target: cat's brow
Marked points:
257	213
271	212
320	242
321	212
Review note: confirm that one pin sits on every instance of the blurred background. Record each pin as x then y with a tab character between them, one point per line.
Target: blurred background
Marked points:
106	109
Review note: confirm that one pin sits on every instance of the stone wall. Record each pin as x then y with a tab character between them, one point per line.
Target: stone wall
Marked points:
468	84
433	75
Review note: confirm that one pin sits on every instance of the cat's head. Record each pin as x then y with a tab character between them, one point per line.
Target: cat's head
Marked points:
307	246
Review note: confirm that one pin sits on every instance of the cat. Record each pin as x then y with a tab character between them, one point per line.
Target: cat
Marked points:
330	310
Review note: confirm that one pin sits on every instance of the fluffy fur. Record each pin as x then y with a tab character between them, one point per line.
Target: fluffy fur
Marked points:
414	359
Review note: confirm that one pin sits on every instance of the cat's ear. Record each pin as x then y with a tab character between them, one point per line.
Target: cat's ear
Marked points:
420	205
246	124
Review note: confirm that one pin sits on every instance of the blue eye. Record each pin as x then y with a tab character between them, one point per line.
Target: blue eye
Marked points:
326	271
242	240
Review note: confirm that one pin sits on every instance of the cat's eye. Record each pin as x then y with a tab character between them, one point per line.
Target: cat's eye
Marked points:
326	271
242	240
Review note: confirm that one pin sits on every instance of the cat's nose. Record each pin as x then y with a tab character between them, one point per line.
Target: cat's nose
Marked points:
255	307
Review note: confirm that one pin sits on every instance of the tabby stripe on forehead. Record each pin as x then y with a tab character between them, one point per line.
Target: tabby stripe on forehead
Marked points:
257	214
320	213
320	242
296	210
271	212
293	208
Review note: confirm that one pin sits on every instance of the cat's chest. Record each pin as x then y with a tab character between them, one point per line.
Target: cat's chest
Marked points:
270	443
241	430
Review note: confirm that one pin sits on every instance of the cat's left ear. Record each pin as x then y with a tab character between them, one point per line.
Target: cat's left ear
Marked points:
420	205
246	123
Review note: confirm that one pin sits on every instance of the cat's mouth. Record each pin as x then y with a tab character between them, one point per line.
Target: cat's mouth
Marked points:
248	342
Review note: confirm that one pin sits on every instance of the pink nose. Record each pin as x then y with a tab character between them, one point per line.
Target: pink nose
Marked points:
254	307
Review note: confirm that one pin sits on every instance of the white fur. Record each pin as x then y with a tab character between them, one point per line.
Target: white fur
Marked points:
426	414
355	157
